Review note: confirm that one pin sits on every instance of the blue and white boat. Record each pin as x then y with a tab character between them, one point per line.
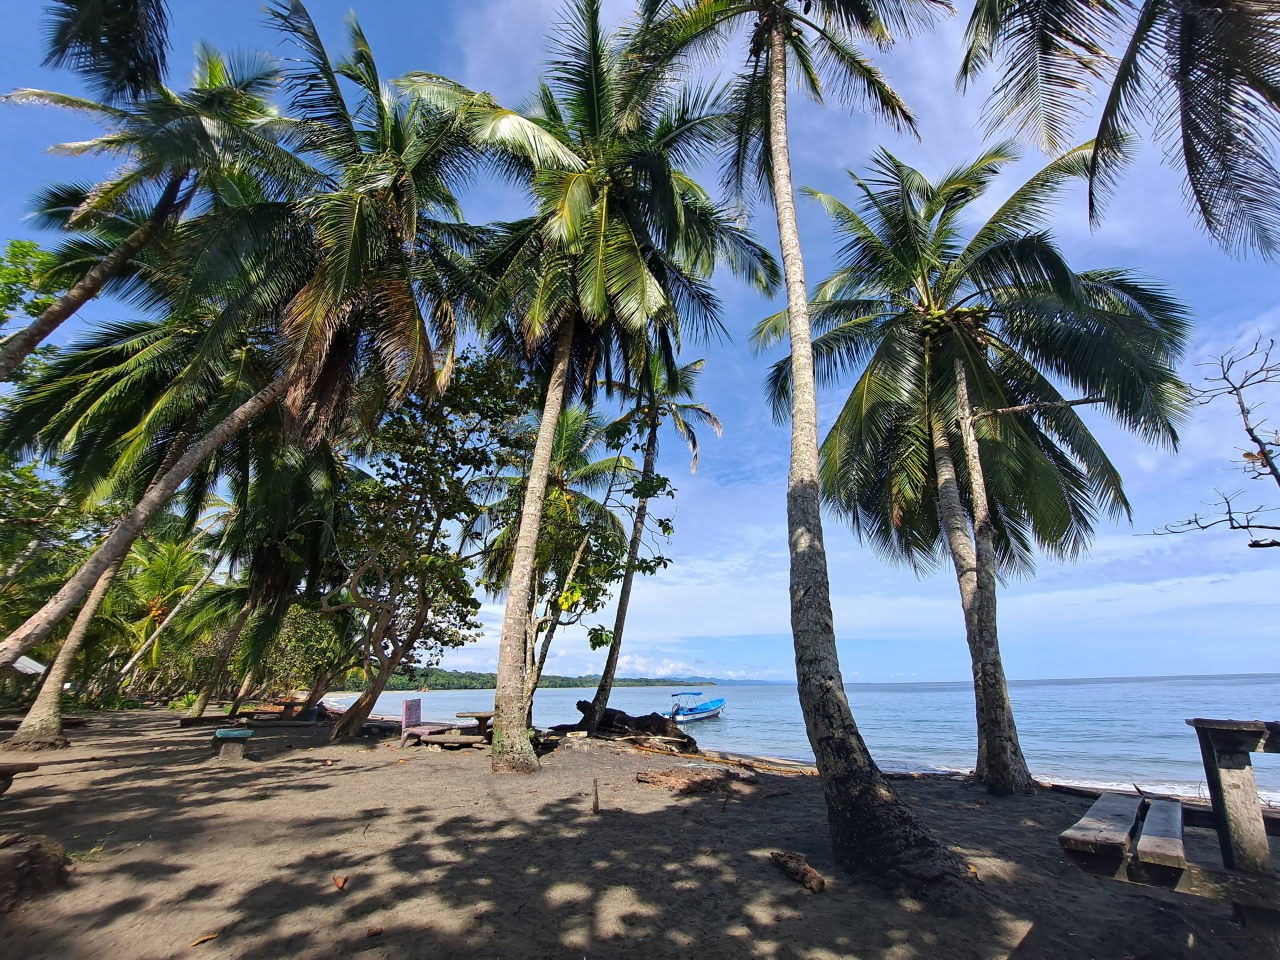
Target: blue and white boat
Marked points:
687	708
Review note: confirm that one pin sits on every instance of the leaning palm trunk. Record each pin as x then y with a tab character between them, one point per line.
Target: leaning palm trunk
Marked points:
1001	765
127	670
601	700
871	828
41	728
512	749
18	346
228	646
117	545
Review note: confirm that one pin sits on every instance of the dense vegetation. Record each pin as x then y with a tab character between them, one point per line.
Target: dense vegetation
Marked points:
433	678
336	413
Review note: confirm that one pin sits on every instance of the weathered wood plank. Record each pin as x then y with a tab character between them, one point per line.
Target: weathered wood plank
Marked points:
1160	842
1106	830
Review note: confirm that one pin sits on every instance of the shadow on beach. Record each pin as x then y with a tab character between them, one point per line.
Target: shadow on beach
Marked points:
443	859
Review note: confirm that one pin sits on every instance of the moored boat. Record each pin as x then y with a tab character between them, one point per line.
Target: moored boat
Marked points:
687	708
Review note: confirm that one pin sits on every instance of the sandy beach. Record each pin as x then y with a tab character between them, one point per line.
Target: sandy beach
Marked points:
443	859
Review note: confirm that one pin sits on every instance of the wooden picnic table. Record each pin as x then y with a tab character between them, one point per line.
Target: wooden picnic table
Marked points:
1225	748
482	718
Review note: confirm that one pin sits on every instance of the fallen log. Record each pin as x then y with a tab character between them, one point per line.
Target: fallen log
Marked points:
654	729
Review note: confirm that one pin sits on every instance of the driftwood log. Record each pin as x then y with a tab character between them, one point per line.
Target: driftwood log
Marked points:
29	866
651	730
797	868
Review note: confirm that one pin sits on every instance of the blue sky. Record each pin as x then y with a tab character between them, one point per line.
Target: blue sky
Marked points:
1136	605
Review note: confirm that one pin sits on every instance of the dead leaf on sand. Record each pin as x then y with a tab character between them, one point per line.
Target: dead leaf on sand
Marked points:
205	939
373	932
340	882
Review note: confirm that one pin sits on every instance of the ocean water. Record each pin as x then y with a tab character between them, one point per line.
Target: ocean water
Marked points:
1104	732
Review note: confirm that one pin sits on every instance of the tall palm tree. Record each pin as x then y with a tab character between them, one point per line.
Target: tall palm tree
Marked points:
620	236
348	290
171	147
1205	76
961	340
578	513
119	47
657	397
871	829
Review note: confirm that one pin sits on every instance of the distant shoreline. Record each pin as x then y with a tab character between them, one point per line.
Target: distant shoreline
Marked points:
590	683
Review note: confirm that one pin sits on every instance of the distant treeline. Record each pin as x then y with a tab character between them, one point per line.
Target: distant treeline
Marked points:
434	678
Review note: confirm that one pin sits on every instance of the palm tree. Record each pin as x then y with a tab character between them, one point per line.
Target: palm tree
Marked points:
1205	76
119	47
620	236
171	147
659	396
149	564
870	828
348	286
958	343
578	513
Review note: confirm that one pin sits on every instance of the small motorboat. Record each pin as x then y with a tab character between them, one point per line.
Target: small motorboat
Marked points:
687	707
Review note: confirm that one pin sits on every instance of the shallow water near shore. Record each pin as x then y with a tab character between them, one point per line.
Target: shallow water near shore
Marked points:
1107	732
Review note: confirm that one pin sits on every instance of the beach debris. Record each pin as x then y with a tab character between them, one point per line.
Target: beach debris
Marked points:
690	781
340	882
795	866
205	939
29	866
373	932
653	730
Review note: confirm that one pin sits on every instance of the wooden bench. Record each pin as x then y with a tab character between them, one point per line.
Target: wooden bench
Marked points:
230	743
10	770
1139	840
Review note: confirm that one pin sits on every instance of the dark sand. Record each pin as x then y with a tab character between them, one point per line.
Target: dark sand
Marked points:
447	860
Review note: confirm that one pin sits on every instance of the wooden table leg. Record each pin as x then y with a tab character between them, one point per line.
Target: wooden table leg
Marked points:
1242	833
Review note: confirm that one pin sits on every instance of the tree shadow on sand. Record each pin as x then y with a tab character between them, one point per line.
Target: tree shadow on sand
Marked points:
491	868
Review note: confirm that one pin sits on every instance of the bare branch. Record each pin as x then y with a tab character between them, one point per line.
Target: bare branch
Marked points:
1031	407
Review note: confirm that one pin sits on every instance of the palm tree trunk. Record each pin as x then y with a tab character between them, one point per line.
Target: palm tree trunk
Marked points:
117	545
246	687
872	830
601	700
18	346
512	750
151	641
1001	765
214	682
41	728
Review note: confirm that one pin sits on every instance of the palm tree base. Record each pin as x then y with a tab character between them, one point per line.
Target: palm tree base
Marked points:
513	755
31	743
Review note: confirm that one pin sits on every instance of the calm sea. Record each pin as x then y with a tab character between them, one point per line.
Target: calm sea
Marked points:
1106	732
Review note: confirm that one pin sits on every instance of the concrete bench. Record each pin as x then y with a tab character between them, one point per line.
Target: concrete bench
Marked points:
453	740
10	770
230	742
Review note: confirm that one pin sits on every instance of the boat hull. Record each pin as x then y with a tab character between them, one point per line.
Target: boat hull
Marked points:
707	711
